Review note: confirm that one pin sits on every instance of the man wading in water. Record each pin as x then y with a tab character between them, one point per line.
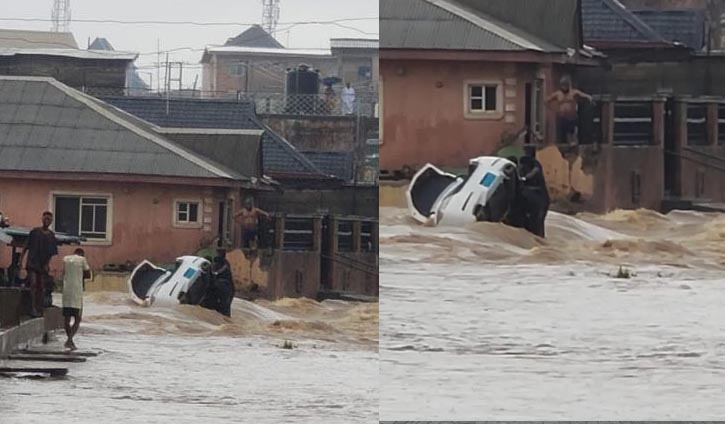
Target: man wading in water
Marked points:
41	248
75	271
566	110
248	217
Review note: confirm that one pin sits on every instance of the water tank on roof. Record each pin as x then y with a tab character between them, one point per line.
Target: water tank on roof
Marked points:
303	80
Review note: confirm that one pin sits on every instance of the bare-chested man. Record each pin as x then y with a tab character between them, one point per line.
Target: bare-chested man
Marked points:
566	109
248	218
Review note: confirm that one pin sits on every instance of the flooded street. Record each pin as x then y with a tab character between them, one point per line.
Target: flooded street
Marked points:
487	321
191	365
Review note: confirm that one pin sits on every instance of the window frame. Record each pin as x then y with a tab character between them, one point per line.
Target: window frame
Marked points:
199	223
108	240
496	114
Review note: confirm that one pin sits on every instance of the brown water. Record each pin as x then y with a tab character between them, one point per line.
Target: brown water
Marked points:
488	321
191	365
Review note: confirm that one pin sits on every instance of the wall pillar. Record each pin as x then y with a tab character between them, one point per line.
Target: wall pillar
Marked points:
356	232
607	121
279	226
317	234
658	122
712	124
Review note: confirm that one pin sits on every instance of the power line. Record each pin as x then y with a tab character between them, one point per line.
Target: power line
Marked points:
194	23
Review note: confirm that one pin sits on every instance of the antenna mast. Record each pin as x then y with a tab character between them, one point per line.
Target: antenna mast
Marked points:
60	15
270	15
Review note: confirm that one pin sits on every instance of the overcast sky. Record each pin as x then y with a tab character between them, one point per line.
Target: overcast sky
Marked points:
143	38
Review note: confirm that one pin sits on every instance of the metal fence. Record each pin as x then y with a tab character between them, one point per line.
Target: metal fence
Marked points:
633	123
274	103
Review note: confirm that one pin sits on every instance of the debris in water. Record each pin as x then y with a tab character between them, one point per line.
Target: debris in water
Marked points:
624	273
288	345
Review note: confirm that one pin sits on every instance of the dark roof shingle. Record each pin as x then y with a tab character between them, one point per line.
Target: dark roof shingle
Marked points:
609	21
339	164
47	126
686	26
279	156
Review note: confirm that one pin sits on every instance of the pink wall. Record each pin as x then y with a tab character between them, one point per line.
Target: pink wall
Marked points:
142	218
423	110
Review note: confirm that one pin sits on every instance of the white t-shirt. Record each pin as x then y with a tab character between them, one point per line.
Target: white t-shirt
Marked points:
73	267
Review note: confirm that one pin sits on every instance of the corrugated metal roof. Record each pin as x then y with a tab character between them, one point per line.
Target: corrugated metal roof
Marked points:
610	21
354	43
279	156
75	53
266	51
46	126
686	26
449	25
22	39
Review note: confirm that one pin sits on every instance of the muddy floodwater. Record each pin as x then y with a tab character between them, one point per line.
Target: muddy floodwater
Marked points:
191	365
489	322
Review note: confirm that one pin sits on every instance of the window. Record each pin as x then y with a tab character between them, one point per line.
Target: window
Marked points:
81	215
483	100
238	69
187	212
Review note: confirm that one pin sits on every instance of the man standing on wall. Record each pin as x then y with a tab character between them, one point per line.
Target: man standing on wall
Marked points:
348	99
566	110
41	248
248	217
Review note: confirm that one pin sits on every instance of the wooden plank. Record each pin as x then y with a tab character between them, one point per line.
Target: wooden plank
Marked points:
54	372
46	358
57	352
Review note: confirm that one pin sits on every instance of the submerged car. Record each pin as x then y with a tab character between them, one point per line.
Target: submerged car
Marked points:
190	283
488	193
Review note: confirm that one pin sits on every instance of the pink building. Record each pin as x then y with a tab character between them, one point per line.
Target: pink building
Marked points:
132	191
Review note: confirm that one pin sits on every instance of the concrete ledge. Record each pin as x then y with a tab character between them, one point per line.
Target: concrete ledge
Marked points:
20	336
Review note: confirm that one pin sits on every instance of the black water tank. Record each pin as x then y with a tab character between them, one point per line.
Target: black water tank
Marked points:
303	80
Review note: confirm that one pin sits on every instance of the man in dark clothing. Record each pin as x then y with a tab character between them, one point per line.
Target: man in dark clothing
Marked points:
535	193
40	248
223	282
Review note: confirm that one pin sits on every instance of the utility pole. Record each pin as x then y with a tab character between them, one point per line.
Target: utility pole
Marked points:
270	15
60	16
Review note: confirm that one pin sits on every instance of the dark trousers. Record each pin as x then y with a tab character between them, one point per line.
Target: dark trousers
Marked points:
37	289
249	235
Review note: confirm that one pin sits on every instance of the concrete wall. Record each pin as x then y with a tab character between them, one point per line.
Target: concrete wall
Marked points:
695	76
343	200
423	110
141	218
268	73
77	73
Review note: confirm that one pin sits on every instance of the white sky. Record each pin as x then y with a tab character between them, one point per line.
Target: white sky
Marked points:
143	38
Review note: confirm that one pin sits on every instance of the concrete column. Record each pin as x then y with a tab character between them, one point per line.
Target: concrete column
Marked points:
712	125
375	234
607	121
279	232
680	121
333	236
356	232
317	233
658	122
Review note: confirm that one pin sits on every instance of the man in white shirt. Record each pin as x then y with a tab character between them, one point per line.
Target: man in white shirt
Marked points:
348	99
75	271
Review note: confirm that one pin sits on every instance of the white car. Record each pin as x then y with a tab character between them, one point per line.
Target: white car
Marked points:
485	194
151	285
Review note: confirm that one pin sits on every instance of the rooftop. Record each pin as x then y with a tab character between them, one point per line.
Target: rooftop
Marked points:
609	23
46	126
354	43
264	51
452	25
280	158
255	36
22	39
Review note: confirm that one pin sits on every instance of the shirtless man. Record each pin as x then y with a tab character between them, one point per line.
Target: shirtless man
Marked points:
566	109
248	217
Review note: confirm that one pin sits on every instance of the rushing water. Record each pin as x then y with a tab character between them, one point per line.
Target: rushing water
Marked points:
488	322
191	365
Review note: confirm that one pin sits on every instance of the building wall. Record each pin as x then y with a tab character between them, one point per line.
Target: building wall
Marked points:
141	218
423	110
77	73
344	200
268	73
